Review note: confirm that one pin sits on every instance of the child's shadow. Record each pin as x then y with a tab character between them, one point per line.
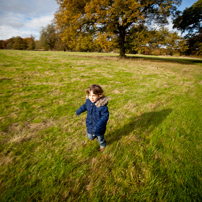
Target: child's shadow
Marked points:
143	123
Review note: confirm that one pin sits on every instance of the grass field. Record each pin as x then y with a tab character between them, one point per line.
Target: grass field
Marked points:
154	133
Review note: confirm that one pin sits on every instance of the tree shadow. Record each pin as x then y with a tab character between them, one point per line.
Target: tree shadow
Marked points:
144	123
168	59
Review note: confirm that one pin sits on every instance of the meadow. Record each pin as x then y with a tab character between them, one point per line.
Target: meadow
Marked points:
154	133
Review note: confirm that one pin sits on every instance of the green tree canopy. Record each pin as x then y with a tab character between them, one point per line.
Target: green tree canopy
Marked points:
191	19
114	18
18	43
48	37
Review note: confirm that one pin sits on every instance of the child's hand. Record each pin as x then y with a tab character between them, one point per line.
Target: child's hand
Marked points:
76	115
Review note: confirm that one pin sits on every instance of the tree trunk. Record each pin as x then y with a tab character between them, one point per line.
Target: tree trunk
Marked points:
122	42
122	52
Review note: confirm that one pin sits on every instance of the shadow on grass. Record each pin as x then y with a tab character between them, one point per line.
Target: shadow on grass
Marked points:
168	59
142	124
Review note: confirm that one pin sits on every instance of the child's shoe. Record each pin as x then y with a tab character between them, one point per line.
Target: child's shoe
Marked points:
101	149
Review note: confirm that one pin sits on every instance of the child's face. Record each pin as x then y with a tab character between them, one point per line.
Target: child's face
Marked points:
93	98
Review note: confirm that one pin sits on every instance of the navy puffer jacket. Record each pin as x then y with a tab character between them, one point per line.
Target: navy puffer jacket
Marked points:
97	116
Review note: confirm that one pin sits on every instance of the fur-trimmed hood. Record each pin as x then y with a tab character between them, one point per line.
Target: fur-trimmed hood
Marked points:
101	102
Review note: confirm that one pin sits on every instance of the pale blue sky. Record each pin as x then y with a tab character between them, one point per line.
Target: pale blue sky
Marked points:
186	4
26	17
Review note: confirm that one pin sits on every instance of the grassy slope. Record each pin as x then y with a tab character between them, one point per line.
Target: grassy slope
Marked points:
154	150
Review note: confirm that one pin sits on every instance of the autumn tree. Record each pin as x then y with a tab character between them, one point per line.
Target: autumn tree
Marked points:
170	40
2	44
138	39
114	18
9	43
156	41
30	43
102	43
59	44
18	43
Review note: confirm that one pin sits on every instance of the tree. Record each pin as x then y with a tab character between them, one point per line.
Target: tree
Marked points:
195	44
60	45
19	43
114	18
138	39
48	37
191	19
2	44
30	43
9	43
171	41
102	43
84	43
156	41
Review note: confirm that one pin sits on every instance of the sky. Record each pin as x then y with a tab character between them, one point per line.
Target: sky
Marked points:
27	17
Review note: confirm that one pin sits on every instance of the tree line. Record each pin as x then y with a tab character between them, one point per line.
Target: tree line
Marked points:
161	42
156	42
118	26
18	43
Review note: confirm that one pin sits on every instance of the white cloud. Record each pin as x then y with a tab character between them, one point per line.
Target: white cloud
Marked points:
36	23
25	18
8	32
169	26
29	27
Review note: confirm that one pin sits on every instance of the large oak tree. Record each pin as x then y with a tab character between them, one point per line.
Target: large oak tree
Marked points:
114	18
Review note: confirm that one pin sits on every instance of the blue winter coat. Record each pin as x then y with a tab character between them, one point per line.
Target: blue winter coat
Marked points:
97	116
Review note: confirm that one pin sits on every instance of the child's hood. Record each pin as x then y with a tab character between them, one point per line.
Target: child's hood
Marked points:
101	102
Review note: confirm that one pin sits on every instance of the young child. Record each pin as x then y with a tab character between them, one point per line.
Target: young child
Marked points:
97	114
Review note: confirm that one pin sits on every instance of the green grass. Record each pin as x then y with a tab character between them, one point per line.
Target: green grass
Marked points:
154	137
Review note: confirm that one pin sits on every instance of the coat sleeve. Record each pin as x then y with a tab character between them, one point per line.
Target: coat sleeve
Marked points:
81	109
101	124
